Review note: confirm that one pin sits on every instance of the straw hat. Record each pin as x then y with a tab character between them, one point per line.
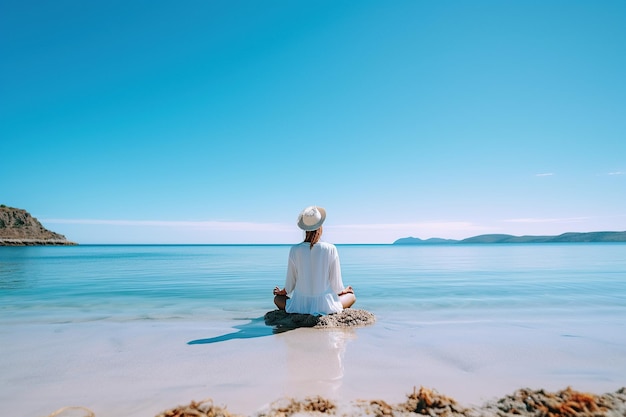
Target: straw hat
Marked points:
311	218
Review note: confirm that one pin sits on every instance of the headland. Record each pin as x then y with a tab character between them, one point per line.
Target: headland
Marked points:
19	228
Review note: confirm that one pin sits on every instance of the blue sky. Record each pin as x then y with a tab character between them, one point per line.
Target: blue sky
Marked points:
217	122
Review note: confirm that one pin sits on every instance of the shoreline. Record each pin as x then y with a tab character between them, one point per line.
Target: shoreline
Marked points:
36	242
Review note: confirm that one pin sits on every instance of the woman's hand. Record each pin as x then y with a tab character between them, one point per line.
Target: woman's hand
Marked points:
347	290
278	291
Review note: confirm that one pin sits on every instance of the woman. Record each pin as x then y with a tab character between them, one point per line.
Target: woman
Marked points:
313	284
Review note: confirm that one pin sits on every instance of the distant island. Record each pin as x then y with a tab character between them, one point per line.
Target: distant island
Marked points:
596	237
19	228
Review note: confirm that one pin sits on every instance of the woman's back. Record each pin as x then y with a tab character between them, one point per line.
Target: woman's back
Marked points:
316	268
313	284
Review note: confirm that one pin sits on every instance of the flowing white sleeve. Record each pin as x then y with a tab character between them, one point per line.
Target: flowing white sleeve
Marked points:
290	281
336	283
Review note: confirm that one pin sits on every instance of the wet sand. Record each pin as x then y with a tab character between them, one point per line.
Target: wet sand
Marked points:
134	369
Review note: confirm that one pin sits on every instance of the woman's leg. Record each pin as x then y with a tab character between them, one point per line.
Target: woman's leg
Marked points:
347	300
280	301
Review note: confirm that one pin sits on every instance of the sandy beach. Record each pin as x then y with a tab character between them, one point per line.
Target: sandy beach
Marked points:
140	369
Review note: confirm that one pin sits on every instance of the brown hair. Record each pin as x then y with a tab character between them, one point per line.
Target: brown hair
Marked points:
313	236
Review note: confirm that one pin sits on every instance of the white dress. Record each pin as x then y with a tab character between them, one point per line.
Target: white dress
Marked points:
313	279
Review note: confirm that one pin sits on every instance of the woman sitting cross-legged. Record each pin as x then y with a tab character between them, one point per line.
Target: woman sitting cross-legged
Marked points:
313	284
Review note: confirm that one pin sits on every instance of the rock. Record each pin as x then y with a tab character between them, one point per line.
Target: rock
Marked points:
349	317
19	228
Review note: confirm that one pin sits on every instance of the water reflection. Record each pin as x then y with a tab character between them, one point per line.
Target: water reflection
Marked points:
314	357
315	360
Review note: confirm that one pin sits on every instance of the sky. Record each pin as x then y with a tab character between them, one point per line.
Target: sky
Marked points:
152	121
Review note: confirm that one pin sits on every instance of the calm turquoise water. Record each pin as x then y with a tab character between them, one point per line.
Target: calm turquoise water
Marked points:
451	282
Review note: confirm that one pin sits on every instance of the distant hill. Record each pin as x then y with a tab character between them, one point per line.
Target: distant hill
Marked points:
597	237
418	241
19	228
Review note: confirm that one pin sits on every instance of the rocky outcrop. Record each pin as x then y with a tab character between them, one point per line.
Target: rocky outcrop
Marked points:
19	228
349	317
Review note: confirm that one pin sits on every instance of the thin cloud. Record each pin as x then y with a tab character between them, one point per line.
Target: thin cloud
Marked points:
544	174
404	226
616	173
547	220
423	228
206	225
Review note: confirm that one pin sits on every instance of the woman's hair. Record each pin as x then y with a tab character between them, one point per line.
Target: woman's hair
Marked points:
313	236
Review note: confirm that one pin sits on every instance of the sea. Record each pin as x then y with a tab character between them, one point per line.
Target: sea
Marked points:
124	283
134	330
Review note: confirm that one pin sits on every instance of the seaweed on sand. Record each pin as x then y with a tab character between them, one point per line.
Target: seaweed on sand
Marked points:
564	403
425	402
289	407
204	408
429	402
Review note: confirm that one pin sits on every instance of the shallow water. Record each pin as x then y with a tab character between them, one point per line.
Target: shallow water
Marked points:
448	282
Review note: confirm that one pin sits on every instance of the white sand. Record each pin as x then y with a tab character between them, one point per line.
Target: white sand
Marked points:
140	369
